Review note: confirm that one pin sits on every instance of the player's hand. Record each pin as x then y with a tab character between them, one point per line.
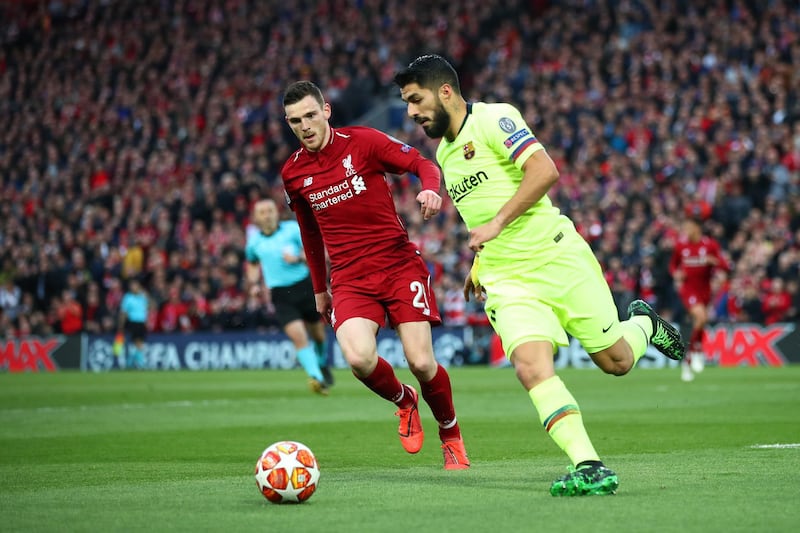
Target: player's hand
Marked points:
472	284
430	203
476	290
483	233
324	305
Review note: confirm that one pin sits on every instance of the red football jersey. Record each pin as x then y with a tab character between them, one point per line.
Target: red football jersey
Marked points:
697	261
343	202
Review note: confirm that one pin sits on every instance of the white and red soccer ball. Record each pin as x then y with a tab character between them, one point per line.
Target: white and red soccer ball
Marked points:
287	472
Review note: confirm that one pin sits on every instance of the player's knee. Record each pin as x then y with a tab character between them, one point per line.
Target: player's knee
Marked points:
616	363
422	365
617	368
530	375
360	358
362	365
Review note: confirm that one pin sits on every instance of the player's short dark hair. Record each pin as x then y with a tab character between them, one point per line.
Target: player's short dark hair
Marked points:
429	72
299	90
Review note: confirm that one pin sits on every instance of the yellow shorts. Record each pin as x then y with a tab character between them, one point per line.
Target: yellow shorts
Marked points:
566	295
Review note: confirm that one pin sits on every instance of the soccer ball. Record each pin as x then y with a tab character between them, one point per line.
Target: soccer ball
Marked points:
286	472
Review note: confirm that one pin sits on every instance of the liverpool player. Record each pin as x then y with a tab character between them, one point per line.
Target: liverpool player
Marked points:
694	260
336	184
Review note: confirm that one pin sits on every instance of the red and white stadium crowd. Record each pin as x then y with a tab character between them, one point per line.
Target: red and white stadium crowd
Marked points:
136	135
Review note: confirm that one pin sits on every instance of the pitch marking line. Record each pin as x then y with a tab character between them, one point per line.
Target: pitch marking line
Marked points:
776	446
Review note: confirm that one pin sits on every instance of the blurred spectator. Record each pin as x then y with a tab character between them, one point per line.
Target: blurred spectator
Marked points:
97	317
126	153
777	302
70	313
228	305
173	316
10	298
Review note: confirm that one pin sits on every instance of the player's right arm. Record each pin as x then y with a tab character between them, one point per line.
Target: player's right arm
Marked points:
313	245
314	248
123	315
252	272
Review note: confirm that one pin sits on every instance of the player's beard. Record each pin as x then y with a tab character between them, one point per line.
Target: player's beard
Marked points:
439	124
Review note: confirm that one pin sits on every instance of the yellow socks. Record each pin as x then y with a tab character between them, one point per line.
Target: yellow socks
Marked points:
637	330
561	418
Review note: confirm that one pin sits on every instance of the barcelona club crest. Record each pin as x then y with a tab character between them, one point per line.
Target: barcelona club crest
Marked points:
469	151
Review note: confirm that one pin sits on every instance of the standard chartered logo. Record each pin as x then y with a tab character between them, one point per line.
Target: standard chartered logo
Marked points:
466	185
337	193
358	184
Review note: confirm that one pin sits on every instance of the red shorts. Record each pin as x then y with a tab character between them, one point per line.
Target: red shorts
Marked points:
402	293
693	296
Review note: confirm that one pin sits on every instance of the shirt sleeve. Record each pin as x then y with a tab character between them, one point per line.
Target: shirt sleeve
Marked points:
249	252
313	245
722	263
508	135
399	158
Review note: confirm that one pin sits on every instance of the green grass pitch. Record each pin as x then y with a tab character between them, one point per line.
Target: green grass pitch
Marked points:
175	451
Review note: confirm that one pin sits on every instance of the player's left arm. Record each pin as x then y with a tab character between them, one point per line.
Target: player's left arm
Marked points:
539	174
721	262
399	158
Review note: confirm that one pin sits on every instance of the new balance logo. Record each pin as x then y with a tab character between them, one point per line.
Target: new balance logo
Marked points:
308	181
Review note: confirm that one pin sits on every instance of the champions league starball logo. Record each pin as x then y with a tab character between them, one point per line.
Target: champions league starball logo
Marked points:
507	125
100	356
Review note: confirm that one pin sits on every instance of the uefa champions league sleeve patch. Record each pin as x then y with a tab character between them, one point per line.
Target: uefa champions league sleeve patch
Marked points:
507	125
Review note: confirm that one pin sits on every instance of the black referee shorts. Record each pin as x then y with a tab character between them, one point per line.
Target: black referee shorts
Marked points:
295	302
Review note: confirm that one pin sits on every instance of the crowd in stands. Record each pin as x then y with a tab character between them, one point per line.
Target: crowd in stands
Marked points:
137	134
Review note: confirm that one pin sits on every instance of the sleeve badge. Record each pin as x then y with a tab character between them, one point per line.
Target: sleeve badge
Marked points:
507	125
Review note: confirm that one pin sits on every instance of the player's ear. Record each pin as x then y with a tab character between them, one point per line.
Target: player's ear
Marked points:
445	92
326	110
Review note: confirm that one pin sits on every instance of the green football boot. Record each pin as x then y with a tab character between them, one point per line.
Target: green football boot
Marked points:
586	481
665	337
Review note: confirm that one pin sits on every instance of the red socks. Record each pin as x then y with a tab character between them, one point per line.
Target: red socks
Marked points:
439	396
696	340
385	384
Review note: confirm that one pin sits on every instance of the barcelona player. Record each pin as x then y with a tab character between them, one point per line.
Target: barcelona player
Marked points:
539	277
